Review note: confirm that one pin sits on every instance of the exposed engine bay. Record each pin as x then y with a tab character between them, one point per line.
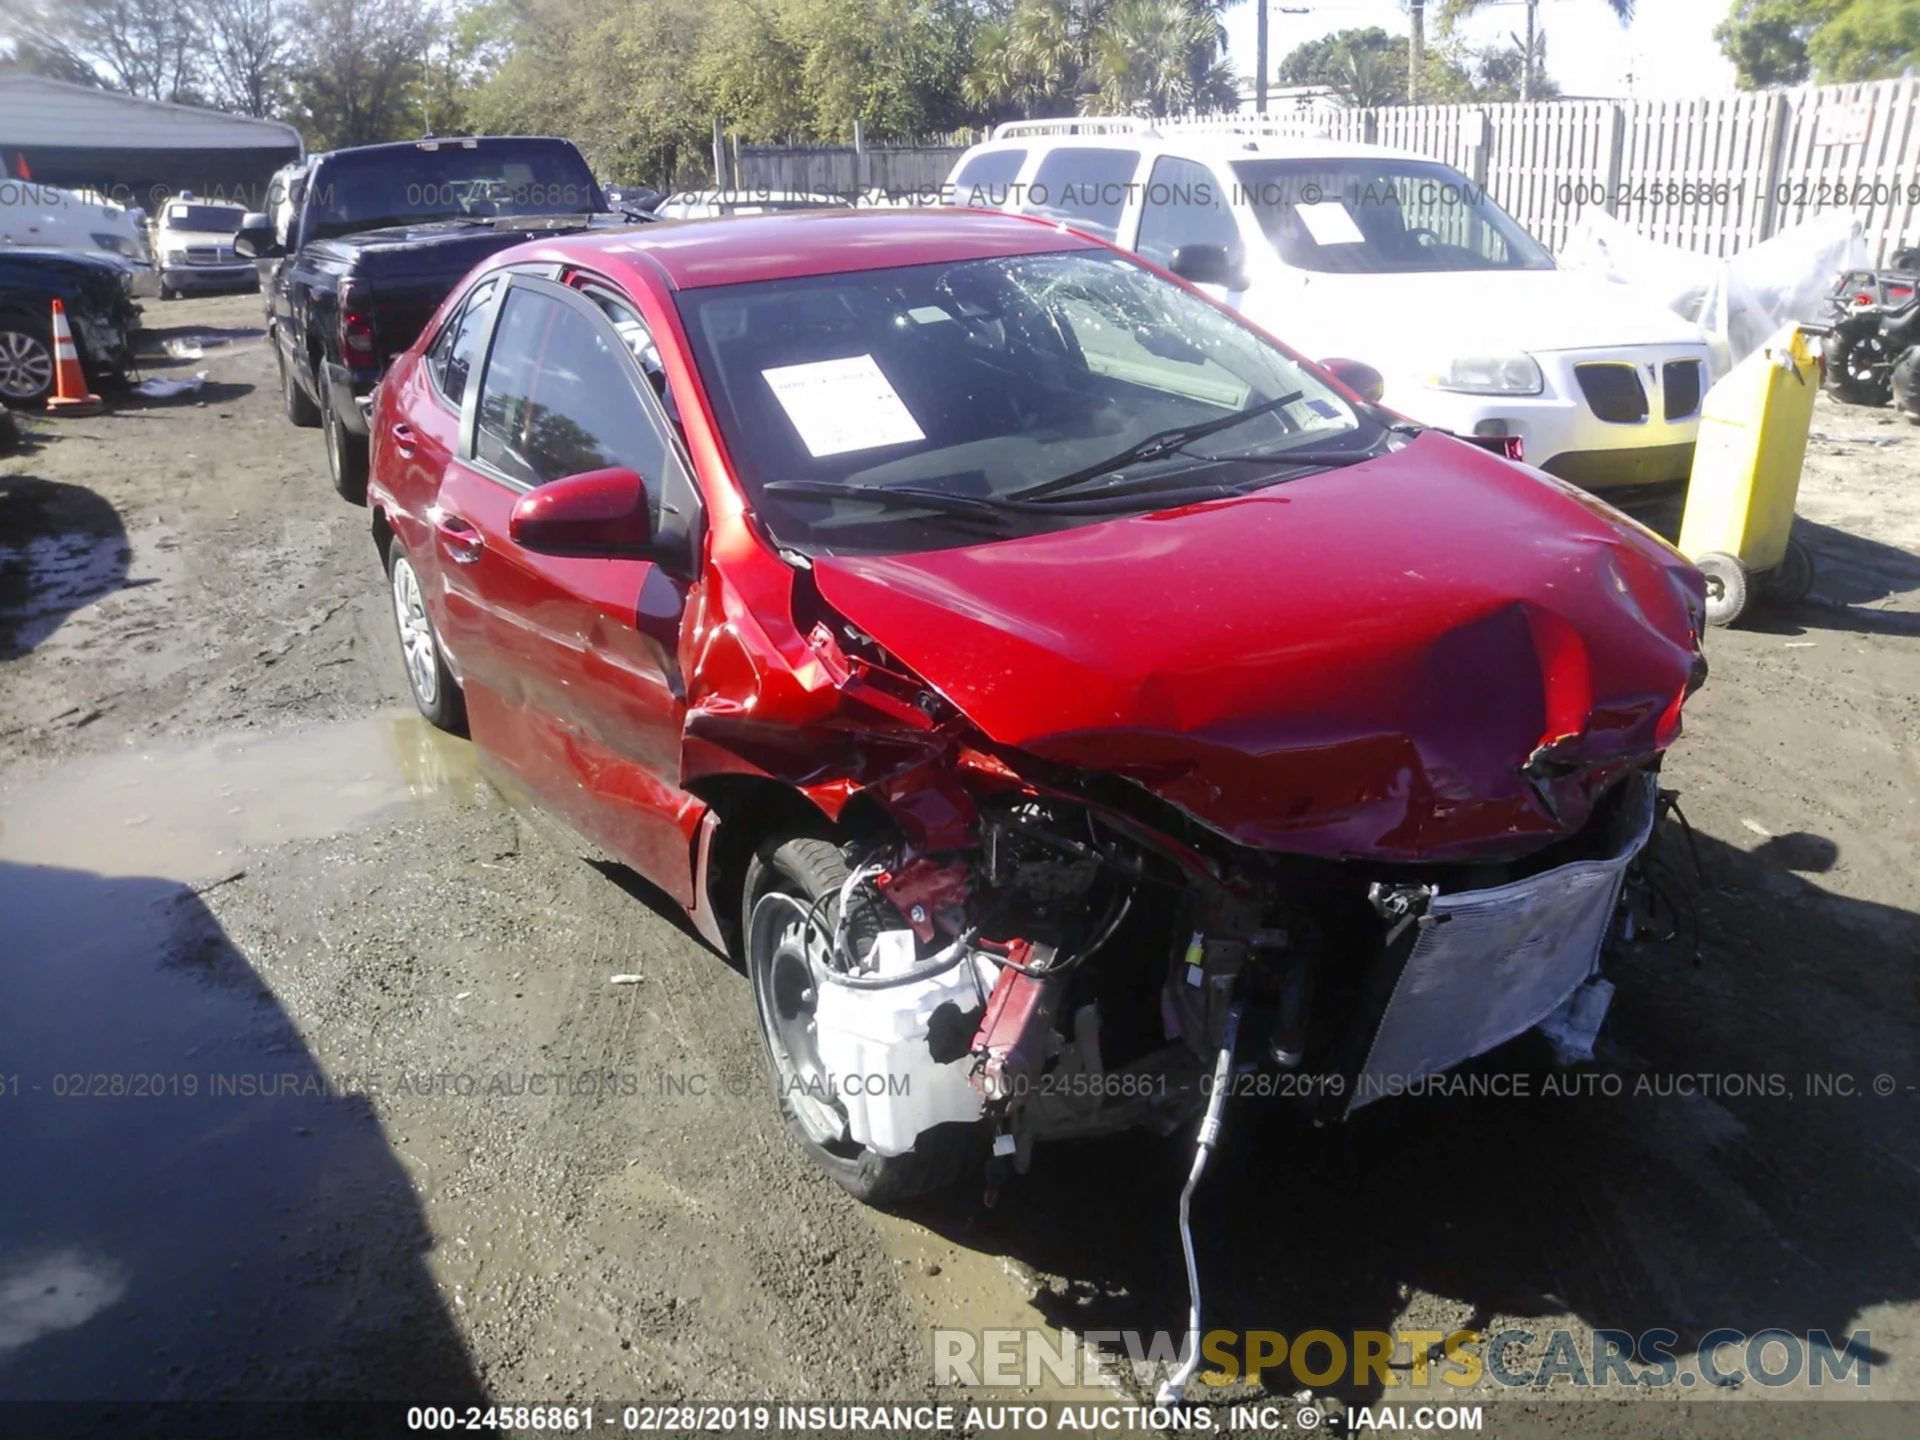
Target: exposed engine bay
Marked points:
1071	973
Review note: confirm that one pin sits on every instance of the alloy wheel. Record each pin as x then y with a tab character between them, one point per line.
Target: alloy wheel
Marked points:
784	955
26	366
416	633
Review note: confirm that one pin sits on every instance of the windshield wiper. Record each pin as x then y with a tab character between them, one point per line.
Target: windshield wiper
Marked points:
957	507
1163	442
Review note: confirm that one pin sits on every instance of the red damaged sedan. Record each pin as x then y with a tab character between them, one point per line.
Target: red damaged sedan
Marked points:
1050	690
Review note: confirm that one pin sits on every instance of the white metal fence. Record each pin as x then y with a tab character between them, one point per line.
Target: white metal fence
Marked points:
1714	175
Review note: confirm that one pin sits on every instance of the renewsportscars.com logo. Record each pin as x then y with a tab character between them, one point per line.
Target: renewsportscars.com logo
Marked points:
1403	1359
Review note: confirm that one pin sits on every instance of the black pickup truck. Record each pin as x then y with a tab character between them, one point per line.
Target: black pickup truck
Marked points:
383	235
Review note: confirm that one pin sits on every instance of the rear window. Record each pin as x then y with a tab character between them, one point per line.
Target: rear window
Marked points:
987	179
1085	187
370	190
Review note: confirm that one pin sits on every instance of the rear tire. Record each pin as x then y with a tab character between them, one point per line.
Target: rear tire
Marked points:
436	693
301	410
346	451
783	879
1791	581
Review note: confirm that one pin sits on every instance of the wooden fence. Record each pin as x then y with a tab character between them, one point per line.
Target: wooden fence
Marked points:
1713	175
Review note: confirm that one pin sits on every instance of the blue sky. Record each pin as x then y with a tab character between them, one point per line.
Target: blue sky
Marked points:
1668	50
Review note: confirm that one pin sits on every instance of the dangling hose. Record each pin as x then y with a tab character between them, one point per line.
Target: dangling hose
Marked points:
1173	1390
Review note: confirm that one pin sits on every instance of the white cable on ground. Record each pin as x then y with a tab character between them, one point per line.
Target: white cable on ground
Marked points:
1173	1390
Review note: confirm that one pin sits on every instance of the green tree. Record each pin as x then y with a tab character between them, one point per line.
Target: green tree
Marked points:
897	66
1788	42
1867	40
1767	39
1370	67
750	66
149	48
1160	57
364	66
614	75
1146	57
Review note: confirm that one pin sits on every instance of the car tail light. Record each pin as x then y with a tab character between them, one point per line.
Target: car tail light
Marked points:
356	327
356	336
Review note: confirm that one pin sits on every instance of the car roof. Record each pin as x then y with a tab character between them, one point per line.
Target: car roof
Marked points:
1208	147
431	142
784	245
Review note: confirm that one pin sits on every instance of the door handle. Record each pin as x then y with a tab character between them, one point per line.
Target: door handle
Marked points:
461	542
403	438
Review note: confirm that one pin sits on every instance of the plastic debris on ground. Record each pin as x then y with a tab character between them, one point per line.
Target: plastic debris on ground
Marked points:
160	387
1574	1027
1738	301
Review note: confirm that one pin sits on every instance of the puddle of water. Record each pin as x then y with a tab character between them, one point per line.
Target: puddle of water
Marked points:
188	813
976	1292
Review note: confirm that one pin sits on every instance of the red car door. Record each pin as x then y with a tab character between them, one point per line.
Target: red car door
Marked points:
568	664
420	431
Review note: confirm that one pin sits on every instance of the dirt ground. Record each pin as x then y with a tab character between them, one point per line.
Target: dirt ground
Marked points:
376	1123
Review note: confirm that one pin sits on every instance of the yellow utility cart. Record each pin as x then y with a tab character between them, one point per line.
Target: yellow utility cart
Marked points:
1738	522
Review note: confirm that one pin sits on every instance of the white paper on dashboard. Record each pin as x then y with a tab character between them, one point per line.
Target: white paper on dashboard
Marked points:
842	405
1330	223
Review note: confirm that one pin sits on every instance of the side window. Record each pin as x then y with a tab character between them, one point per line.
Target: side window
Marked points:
1184	204
451	359
1084	186
633	331
556	399
986	180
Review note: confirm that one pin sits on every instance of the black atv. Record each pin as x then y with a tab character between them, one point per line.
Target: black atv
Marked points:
1876	322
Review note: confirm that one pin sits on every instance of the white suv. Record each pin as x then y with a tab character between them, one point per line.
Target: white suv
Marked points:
1379	256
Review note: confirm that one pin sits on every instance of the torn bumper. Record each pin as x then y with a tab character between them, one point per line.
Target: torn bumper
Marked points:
1488	965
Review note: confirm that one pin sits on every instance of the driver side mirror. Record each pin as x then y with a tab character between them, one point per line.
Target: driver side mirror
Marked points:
597	515
255	239
1358	376
1206	265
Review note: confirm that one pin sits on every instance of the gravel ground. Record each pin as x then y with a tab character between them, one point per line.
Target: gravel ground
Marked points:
389	1131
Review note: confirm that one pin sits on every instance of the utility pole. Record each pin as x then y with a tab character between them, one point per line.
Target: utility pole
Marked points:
1416	48
1260	59
1526	59
1261	64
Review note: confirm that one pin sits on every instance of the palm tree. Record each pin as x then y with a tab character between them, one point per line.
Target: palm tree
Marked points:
1160	57
1452	11
1126	57
1367	81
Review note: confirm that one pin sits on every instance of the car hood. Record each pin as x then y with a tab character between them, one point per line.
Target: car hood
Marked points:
1402	321
1436	654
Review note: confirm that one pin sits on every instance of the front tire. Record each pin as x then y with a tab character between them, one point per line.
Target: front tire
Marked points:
784	881
435	691
26	360
346	451
1857	368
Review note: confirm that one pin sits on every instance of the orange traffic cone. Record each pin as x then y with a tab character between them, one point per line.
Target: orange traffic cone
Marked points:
70	393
